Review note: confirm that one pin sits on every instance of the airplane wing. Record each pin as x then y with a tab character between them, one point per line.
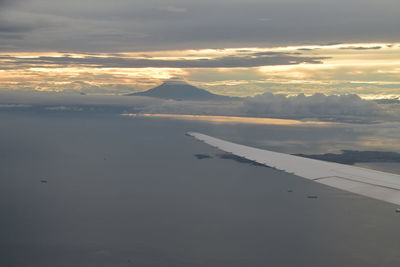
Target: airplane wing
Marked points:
366	182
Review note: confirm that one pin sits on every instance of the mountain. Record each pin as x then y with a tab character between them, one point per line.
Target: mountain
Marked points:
180	90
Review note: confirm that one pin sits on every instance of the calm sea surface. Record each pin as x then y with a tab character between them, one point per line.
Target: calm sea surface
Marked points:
106	190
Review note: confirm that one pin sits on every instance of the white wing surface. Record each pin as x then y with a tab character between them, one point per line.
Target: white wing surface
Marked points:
366	182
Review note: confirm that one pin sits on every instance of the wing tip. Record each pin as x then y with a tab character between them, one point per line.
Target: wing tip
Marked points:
193	134
189	134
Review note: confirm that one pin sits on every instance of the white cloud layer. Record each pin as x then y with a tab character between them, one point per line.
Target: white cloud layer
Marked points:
318	106
315	105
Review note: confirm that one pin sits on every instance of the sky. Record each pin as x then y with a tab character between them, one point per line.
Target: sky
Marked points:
237	48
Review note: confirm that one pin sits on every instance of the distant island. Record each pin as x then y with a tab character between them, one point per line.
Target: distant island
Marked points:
178	89
352	156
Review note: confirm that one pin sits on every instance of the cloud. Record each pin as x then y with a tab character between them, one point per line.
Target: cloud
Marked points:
349	108
315	105
307	49
230	71
275	53
362	47
124	25
121	62
174	9
63	108
264	19
6	2
7	27
11	106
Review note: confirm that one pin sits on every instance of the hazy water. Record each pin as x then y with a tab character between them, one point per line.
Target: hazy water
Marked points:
129	192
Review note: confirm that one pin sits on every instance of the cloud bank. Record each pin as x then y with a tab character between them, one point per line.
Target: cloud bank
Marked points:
231	71
315	105
318	106
240	61
349	108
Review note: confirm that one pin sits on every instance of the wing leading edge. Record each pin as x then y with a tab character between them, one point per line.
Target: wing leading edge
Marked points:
375	184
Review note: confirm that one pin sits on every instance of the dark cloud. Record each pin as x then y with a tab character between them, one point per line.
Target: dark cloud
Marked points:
306	49
6	2
362	47
122	25
12	28
11	35
13	25
274	53
118	62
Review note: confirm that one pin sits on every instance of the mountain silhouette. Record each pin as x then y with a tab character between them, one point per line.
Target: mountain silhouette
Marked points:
180	90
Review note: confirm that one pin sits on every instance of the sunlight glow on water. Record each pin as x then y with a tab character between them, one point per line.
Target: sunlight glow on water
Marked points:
235	120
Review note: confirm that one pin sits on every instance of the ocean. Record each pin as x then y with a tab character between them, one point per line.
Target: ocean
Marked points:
80	189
